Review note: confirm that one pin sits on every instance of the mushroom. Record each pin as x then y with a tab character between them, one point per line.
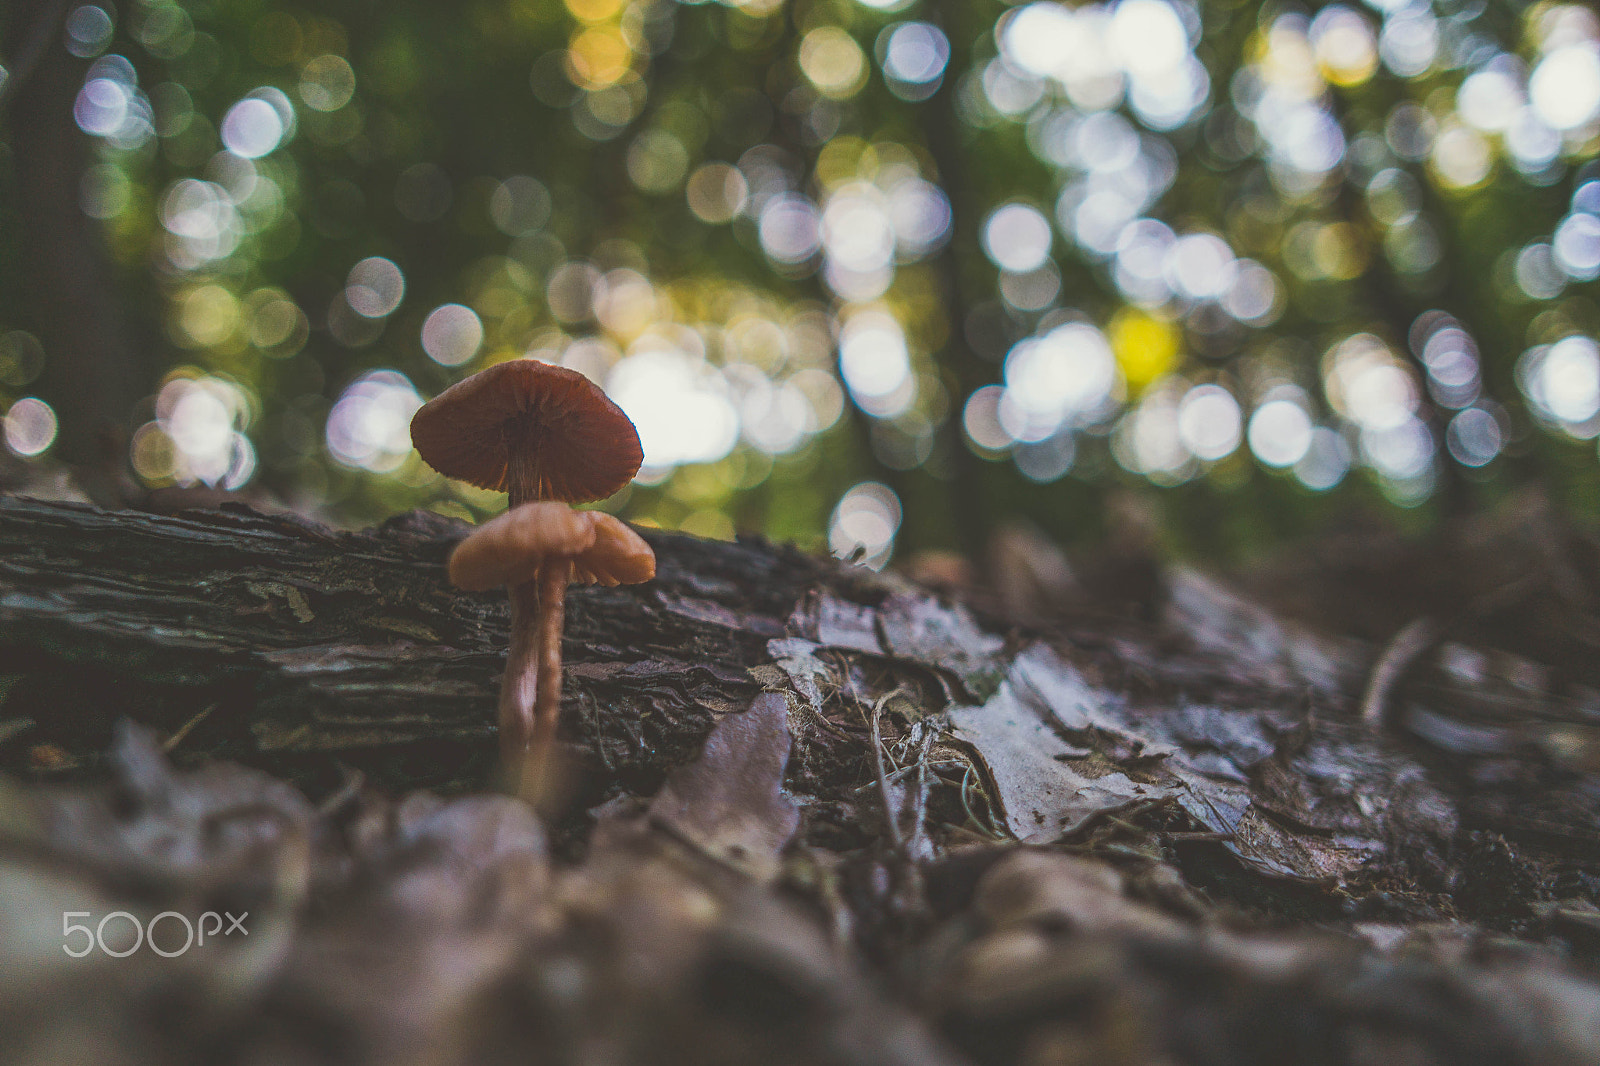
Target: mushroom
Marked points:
531	429
618	556
540	433
536	550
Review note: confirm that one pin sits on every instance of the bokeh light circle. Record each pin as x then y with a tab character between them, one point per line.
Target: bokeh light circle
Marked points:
30	427
1017	238
452	334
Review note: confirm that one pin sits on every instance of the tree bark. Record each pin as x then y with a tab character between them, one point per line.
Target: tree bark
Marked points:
315	645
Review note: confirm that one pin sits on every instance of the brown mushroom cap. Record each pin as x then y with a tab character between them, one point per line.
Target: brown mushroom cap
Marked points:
554	423
510	548
619	556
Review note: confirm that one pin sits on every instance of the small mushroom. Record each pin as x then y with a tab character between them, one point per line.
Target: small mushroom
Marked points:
540	433
618	556
536	550
509	550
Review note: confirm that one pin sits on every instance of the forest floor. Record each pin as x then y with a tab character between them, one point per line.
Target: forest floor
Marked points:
1344	808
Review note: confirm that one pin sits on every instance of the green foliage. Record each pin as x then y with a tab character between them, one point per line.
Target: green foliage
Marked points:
997	261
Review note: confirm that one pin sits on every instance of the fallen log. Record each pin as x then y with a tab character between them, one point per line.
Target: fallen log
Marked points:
300	644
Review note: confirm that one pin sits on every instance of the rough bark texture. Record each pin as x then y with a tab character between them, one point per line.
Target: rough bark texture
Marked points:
315	645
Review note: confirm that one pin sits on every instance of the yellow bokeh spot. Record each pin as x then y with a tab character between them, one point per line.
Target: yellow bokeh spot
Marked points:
327	83
274	323
207	316
1146	347
1462	157
844	159
503	354
713	525
698	484
1288	63
1346	53
744	469
598	57
152	453
497	301
833	62
1339	252
593	10
1347	77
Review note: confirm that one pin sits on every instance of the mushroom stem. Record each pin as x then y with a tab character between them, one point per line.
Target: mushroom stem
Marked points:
517	691
553	578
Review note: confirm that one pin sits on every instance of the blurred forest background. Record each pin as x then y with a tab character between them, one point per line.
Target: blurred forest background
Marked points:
874	275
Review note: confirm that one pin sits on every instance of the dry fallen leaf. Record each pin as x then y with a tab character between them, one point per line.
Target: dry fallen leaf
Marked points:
730	802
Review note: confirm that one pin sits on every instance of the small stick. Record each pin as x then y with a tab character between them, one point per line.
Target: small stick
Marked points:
1412	642
919	825
968	776
184	730
889	811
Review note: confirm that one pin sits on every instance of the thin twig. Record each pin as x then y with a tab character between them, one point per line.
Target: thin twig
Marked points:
919	809
889	810
1410	644
184	730
896	776
591	708
967	787
347	792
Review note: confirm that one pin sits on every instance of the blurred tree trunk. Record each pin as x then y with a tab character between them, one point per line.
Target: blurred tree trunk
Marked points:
94	372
